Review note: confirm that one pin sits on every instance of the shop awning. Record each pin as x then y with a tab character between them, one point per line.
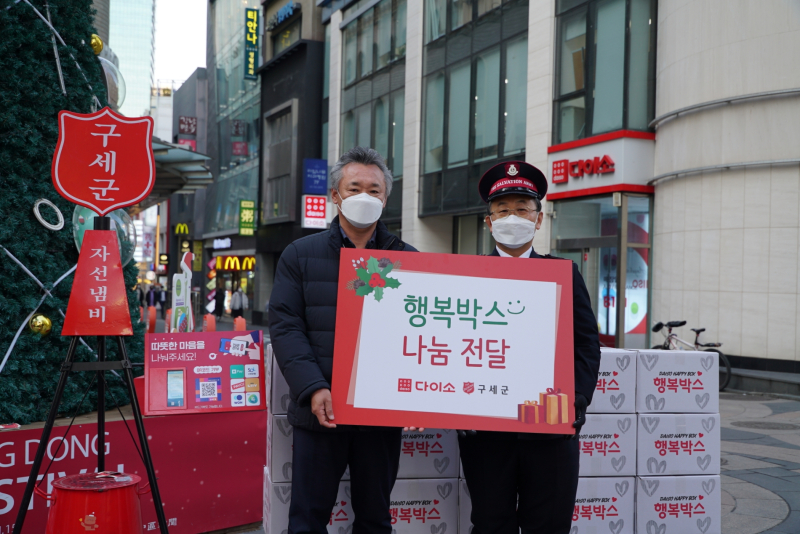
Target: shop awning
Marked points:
178	170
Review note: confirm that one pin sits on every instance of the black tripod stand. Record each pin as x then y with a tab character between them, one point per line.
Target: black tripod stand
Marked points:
100	367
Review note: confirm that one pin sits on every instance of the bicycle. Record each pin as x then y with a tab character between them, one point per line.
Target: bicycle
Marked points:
672	341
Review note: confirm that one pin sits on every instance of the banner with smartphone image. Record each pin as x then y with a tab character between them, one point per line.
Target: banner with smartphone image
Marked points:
204	372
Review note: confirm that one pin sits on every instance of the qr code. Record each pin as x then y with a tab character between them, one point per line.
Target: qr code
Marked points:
238	347
208	389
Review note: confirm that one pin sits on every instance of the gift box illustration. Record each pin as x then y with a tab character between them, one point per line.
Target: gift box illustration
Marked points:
551	408
531	412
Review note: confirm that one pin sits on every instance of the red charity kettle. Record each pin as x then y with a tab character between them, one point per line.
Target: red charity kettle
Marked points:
105	502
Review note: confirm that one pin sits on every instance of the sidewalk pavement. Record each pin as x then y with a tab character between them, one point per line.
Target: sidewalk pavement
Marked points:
760	464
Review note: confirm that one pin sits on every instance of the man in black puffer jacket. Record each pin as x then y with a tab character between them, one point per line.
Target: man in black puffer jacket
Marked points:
302	319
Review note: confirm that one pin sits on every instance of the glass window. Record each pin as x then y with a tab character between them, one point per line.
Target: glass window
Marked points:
487	104
594	74
458	117
350	52
286	37
324	140
277	162
363	122
484	6
400	16
381	143
398	118
383	34
641	90
326	73
610	56
435	19
365	39
461	13
516	89
434	135
348	131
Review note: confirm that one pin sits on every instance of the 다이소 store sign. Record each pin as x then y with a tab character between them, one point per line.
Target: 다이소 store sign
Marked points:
448	341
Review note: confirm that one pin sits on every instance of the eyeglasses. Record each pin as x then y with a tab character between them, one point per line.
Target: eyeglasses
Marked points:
519	212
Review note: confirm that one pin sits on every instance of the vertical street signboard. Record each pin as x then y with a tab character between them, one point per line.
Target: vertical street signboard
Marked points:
453	341
247	217
250	44
315	176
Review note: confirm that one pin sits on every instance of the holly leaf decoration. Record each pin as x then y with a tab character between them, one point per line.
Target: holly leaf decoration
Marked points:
394	283
386	270
363	291
372	266
363	274
378	293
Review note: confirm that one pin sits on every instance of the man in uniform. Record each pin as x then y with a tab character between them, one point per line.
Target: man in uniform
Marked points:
528	481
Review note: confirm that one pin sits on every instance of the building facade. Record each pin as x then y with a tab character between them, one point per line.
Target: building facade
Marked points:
132	36
694	213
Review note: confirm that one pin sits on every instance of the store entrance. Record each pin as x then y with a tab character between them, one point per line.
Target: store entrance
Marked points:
589	231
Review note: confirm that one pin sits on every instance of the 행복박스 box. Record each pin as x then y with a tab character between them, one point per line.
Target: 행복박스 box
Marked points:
279	449
277	393
616	382
425	506
678	444
604	504
608	445
278	497
464	508
675	381
667	505
429	454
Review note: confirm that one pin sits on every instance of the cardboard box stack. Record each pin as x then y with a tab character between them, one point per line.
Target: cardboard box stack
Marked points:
678	467
425	496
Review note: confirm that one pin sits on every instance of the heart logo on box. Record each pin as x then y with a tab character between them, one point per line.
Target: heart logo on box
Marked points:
655	528
573	530
438	436
649	486
707	362
347	530
441	465
700	435
616	436
441	529
435	501
616	527
617	401
650	423
285	402
615	373
623	362
708	424
699	373
704	461
656	467
700	497
287	471
613	499
649	361
703	524
652	403
344	503
702	401
624	424
284	493
618	463
284	426
621	487
709	485
445	489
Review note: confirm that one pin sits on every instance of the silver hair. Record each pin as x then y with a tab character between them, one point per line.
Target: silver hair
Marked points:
364	156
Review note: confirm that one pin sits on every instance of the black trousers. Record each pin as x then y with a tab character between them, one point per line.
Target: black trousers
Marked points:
319	460
500	468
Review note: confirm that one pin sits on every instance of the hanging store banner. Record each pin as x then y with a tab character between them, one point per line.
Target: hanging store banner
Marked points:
250	44
247	217
453	341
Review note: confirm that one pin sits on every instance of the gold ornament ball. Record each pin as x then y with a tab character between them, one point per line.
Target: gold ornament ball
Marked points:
40	324
97	44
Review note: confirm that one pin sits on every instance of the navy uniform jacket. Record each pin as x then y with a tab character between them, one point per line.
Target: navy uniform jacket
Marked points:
586	339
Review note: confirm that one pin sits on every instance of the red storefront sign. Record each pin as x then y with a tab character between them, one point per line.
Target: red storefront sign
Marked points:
103	161
564	169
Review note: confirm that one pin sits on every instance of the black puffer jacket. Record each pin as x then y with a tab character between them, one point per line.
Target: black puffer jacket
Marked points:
302	314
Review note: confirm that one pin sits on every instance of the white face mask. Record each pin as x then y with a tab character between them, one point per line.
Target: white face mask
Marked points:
362	210
513	231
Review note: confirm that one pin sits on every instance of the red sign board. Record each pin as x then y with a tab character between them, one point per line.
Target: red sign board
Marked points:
239	148
98	303
564	169
191	143
474	342
204	372
187	125
103	161
210	468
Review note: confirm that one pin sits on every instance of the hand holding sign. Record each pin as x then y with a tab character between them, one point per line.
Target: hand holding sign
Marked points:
322	407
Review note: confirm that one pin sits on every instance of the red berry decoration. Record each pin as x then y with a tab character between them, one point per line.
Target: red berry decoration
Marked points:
382	282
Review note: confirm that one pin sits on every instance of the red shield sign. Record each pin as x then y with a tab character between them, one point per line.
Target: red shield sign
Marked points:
104	161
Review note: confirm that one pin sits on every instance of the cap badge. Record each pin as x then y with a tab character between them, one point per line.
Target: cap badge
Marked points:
512	170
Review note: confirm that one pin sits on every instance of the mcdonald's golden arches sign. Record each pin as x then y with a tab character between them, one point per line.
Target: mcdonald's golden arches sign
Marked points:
236	263
181	229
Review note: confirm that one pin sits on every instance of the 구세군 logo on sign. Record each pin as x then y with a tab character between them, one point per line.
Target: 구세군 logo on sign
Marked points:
469	387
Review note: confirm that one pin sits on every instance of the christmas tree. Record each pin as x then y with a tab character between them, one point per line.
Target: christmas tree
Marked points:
31	96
